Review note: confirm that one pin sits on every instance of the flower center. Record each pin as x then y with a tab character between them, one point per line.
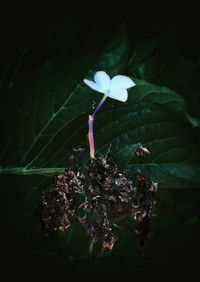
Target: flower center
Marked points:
107	91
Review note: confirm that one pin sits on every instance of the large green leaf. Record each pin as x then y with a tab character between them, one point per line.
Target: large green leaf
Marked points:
150	58
160	60
50	112
48	109
155	116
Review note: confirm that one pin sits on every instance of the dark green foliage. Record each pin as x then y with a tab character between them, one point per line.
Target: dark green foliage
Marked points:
45	116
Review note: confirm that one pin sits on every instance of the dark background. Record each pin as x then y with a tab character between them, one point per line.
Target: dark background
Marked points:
26	41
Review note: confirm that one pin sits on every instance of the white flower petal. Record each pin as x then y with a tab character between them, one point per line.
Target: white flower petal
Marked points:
102	79
120	95
121	82
92	85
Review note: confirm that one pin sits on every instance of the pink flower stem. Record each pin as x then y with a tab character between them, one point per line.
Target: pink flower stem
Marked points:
91	127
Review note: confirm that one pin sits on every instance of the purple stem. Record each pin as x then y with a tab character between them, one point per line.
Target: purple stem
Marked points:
99	106
91	127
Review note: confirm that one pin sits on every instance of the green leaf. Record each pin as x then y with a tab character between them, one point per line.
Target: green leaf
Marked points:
50	114
155	117
150	58
161	62
48	117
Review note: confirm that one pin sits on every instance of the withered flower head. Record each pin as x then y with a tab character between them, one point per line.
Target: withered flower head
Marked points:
95	196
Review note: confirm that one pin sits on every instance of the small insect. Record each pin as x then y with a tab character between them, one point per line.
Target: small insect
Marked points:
142	151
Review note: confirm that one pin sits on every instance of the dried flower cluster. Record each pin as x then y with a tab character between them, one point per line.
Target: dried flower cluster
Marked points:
94	196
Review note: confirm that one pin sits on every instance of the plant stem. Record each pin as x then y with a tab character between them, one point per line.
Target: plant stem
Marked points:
91	128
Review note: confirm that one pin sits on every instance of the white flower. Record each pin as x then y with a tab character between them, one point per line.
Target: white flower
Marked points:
115	88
